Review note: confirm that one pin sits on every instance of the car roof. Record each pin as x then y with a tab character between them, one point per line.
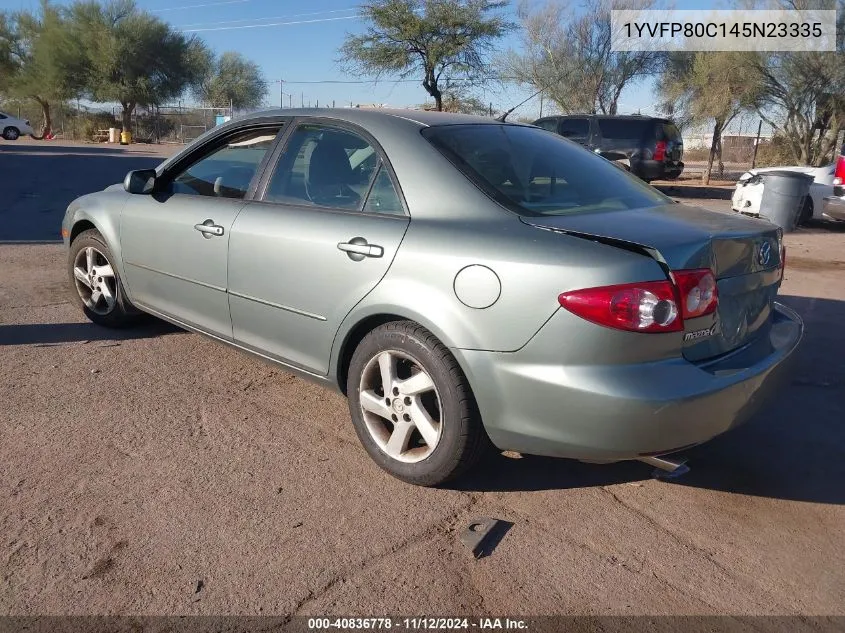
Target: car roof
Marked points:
425	118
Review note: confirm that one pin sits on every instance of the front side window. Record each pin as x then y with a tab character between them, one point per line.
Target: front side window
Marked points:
534	173
324	166
227	171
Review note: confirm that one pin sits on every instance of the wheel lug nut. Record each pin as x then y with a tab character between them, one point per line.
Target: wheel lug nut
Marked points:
407	400
387	400
396	391
395	419
406	417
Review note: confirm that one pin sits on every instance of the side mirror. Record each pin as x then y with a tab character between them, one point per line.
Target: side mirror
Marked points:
141	181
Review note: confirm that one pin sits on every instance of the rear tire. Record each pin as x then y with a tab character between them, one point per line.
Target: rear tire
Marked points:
423	427
96	285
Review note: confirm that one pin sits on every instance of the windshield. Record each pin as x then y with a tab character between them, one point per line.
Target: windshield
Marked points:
534	172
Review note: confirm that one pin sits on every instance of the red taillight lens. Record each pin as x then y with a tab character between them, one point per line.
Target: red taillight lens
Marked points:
698	293
651	306
660	150
640	307
839	174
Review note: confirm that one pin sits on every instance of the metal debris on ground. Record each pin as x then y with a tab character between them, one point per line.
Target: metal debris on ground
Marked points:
483	534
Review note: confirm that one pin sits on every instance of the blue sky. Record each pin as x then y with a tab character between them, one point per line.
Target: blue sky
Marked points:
297	40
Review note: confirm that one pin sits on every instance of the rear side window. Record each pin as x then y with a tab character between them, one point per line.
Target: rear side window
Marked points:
624	129
533	173
671	132
574	129
547	124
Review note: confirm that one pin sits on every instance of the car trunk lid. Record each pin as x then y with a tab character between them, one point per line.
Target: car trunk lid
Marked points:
743	254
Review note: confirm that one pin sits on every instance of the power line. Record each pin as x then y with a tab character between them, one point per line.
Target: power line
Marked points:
258	26
199	6
275	17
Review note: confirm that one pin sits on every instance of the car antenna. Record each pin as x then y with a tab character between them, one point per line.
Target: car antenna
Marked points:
505	115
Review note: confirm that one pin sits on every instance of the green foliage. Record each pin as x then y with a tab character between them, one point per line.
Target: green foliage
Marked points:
134	58
437	40
568	56
232	79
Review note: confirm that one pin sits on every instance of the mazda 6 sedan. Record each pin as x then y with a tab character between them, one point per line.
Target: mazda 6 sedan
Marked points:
463	281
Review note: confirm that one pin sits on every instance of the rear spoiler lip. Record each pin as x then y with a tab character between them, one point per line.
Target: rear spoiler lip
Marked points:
633	247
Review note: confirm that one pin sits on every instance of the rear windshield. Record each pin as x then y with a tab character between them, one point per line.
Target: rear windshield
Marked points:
536	173
627	129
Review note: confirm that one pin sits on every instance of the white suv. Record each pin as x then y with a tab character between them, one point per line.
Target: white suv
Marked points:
12	127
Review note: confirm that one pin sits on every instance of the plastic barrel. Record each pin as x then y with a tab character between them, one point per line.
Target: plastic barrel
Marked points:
783	197
125	138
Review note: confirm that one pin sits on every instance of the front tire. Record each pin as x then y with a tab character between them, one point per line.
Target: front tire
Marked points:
11	133
96	284
412	407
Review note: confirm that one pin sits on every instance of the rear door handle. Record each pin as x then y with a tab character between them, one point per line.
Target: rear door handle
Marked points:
209	229
357	248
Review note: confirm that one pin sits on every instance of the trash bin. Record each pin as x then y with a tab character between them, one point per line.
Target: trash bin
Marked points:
783	196
113	134
125	138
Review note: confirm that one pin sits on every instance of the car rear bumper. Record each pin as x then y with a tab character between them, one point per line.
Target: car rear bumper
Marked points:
833	208
532	405
657	170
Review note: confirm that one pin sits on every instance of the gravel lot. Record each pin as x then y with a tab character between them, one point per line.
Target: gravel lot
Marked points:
156	472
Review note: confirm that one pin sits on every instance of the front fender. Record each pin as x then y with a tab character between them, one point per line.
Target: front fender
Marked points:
102	210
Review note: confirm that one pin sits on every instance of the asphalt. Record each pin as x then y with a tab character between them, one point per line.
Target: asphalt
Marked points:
153	471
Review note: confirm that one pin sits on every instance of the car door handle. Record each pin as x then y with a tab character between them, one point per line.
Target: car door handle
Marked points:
209	229
357	248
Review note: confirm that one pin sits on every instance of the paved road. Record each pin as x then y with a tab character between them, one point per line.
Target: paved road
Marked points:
154	471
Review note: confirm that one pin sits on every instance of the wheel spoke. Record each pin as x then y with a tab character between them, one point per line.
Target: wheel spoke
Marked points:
387	365
104	271
107	295
374	404
398	442
425	425
89	259
416	384
81	276
95	297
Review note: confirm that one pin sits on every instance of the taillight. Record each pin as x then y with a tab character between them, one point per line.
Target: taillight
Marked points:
839	174
660	150
640	307
651	306
697	290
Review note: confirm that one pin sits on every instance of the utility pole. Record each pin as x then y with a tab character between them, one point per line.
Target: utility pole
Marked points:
541	105
281	94
290	101
756	144
301	99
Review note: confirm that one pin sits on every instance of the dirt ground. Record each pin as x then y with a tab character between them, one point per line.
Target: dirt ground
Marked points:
156	472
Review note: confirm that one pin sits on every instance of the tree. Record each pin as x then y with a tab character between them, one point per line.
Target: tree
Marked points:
568	56
8	43
44	61
441	40
713	87
134	57
232	79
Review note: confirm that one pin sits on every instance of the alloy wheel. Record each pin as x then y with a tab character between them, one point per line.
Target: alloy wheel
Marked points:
401	406
95	280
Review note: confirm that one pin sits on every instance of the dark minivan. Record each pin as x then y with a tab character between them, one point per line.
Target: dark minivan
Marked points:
649	147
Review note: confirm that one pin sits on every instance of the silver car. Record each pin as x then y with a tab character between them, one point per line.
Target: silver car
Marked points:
462	281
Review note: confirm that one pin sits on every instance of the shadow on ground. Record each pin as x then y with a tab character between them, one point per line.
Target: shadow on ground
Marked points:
60	333
793	449
40	181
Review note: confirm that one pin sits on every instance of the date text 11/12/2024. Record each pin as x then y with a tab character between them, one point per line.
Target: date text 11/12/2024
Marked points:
416	623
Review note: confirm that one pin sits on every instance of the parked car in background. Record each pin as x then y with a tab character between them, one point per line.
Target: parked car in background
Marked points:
648	147
833	206
749	190
11	128
462	281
